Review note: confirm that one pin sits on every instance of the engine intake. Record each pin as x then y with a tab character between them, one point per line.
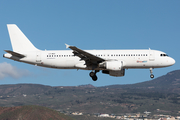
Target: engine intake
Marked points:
111	65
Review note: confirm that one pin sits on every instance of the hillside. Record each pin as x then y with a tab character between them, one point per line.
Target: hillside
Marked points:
19	89
31	113
167	83
161	93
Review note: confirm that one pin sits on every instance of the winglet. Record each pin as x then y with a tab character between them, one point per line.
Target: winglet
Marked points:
67	46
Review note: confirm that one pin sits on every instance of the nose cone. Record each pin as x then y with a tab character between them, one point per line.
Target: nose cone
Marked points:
172	61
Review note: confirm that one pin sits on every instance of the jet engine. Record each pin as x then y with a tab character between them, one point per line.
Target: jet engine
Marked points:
113	68
111	65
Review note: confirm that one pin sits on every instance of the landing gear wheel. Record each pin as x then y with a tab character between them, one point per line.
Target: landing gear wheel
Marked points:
93	75
94	78
151	71
152	76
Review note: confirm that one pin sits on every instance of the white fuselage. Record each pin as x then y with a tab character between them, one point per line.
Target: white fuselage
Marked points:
65	59
112	62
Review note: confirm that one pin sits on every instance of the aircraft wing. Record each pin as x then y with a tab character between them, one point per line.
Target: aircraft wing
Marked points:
88	57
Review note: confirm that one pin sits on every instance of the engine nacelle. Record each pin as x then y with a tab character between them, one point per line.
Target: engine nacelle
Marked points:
114	73
111	65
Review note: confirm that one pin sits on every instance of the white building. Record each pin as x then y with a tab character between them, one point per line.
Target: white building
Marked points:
104	115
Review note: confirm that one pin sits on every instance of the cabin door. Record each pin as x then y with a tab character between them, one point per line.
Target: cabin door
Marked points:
38	57
151	55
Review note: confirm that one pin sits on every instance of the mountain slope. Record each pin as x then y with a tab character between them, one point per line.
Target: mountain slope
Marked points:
31	113
167	83
161	93
18	89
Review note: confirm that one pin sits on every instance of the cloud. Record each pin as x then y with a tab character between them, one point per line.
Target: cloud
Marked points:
7	70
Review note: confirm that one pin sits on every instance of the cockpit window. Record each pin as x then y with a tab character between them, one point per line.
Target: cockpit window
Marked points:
163	55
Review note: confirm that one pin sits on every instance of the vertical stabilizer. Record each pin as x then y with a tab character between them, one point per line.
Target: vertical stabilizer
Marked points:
19	42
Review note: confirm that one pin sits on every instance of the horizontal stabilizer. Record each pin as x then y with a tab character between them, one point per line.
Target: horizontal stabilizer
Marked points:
15	54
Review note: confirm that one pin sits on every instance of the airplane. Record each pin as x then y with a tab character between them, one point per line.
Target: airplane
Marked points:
112	62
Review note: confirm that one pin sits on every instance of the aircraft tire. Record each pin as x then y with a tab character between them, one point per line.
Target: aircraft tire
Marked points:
152	76
91	74
94	78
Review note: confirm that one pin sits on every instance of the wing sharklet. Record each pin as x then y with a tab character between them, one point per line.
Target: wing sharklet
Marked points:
67	46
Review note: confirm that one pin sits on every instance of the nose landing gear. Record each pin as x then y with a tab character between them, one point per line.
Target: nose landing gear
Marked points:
152	76
93	75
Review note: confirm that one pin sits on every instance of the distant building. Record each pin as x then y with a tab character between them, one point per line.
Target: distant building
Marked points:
24	95
146	112
76	113
104	115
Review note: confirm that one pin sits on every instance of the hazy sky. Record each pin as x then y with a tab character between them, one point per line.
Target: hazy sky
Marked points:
89	24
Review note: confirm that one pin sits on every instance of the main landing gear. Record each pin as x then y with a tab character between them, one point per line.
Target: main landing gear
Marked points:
93	75
152	76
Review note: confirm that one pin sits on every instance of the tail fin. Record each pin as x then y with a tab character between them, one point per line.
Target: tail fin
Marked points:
19	41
